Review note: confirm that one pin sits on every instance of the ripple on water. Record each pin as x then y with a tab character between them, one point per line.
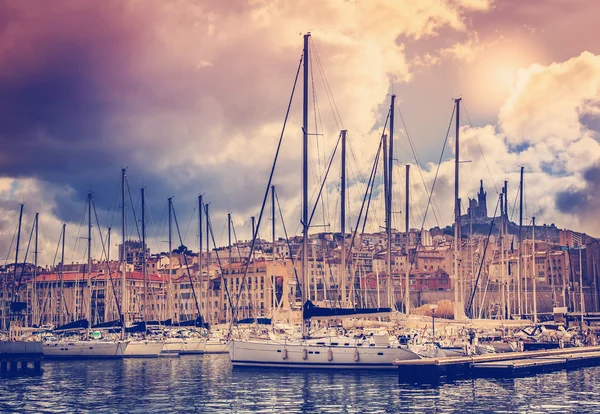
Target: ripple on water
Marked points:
208	384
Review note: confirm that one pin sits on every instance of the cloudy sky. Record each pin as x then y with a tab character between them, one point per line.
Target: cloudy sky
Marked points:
190	97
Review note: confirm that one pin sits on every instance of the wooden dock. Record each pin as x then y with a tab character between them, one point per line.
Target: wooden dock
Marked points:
21	358
510	364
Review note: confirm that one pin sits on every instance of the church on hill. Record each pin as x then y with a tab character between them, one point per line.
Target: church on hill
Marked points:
477	210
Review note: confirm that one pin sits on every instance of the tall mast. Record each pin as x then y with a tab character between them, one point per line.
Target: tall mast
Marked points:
457	305
305	218
520	259
88	311
273	293
200	247
35	264
124	304
507	267
390	191
144	271
110	275
502	269
407	208
62	279
207	258
229	252
17	251
533	275
581	299
386	190
343	221
169	285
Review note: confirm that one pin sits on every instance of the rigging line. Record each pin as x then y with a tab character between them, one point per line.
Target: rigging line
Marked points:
192	216
137	227
78	231
216	250
418	162
323	181
268	188
18	287
374	176
369	184
377	156
187	267
249	298
104	252
333	104
45	301
287	240
480	149
438	169
318	122
11	245
113	202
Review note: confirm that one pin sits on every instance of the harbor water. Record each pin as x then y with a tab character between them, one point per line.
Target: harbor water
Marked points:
208	384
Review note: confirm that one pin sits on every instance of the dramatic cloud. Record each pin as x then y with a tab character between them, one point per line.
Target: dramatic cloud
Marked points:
191	96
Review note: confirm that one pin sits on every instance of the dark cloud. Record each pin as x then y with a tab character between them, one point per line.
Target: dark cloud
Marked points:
582	202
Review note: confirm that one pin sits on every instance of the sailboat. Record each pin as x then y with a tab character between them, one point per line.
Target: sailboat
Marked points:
83	347
363	352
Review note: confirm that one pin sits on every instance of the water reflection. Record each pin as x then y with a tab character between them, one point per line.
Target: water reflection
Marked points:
208	384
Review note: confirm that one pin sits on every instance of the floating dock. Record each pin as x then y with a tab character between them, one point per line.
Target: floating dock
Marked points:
511	364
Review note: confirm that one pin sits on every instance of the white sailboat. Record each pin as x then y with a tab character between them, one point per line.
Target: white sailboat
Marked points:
84	347
80	349
377	352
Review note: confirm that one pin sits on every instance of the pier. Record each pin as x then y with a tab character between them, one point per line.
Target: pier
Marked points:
506	365
21	358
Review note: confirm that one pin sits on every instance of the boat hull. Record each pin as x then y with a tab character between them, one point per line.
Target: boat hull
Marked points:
84	350
298	355
143	349
216	347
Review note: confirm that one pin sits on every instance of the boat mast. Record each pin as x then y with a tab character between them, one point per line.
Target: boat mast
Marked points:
207	254
169	287
123	257
520	259
273	281
88	311
457	304
200	246
17	254
343	221
305	217
229	251
507	266
62	279
390	197
144	271
502	269
386	189
35	264
534	278
581	299
407	289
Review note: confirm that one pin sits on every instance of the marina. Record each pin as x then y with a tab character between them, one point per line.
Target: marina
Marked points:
208	384
336	207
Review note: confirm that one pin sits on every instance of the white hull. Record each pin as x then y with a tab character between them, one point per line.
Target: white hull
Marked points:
184	346
143	349
84	349
193	346
216	346
309	355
